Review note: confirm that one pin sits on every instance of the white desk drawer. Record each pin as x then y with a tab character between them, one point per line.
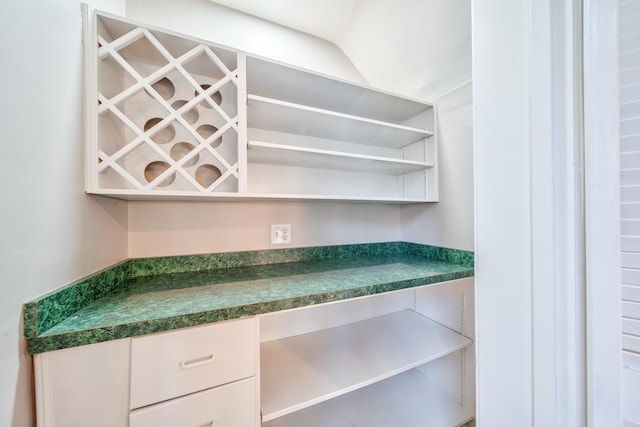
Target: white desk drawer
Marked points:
231	405
173	364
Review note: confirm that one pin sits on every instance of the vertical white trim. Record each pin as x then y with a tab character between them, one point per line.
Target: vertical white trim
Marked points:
602	235
543	211
502	159
243	166
42	390
90	98
529	213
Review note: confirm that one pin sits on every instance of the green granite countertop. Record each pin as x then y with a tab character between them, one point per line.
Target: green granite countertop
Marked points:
142	296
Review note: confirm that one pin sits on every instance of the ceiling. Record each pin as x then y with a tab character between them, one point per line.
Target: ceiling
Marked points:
327	19
420	48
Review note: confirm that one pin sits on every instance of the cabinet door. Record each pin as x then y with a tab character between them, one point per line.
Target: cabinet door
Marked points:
172	364
230	405
83	386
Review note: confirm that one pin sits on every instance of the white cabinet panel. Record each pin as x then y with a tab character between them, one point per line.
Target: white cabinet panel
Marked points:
83	386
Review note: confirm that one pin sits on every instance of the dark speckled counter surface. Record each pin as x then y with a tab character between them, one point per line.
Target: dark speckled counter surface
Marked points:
142	296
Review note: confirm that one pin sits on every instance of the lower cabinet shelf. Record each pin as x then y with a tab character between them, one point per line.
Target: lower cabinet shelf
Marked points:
408	400
305	370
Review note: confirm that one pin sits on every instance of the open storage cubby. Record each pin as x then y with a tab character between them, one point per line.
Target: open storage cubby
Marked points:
368	362
170	116
338	139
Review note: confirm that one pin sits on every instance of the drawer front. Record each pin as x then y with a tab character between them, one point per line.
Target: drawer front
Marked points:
173	364
230	405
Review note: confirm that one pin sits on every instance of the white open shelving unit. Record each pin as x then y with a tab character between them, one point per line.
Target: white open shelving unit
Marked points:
169	116
304	370
408	399
376	361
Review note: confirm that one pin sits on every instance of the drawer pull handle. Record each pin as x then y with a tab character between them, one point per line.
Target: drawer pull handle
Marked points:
210	424
186	364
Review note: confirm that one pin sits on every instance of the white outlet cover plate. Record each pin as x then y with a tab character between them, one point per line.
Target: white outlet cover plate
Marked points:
280	234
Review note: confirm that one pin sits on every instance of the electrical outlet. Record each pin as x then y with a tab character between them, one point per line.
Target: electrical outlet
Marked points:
280	234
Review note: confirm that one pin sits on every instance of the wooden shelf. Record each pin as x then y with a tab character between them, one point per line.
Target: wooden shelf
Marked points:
408	400
308	369
288	155
155	98
288	117
288	83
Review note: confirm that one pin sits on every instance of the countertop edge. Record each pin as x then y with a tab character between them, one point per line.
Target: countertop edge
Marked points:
46	343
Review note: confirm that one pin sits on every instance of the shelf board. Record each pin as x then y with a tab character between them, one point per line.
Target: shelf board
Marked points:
288	155
284	81
408	400
282	116
159	195
304	370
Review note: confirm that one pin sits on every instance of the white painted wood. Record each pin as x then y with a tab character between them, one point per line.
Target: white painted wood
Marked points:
278	115
133	158
629	103
630	293
501	64
280	154
297	321
602	212
630	393
269	180
449	303
307	369
452	304
242	123
80	386
273	80
631	343
129	153
175	363
631	309
527	88
630	359
408	400
230	405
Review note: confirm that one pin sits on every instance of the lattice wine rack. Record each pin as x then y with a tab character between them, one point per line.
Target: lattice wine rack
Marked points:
166	113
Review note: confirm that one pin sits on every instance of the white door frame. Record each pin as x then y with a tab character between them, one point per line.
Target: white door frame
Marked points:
547	233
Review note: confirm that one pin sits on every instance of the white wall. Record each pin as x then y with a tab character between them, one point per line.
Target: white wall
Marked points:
210	21
52	233
448	223
414	47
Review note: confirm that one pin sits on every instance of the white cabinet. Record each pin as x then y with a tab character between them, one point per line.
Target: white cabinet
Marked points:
173	117
203	375
398	358
374	370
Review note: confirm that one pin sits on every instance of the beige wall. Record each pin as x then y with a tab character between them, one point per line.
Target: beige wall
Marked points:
173	228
